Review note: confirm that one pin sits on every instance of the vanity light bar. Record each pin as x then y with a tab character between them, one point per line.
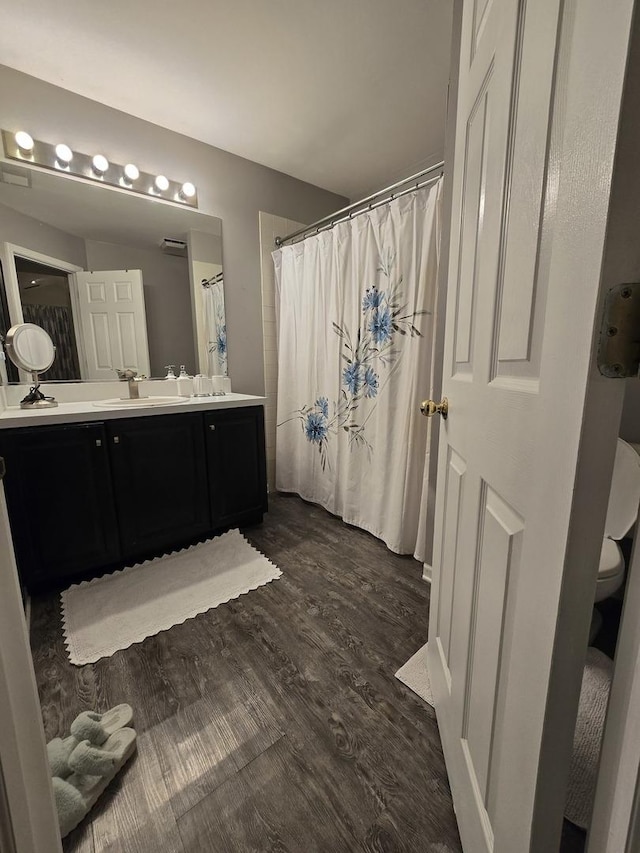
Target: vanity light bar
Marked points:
59	157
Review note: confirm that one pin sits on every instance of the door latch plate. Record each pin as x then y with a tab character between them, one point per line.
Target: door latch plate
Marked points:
619	345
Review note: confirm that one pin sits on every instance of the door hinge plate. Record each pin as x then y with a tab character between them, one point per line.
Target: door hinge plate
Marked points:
619	345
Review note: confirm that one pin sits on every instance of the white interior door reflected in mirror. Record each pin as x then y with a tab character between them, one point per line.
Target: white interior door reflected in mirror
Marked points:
30	348
113	325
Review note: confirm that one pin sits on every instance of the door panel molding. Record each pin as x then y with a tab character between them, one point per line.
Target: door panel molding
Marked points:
454	495
473	192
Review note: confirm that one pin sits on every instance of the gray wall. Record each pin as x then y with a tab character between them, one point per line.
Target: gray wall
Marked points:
30	234
206	248
630	424
230	187
167	299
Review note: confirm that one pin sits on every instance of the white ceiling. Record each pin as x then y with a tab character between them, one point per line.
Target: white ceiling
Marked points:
346	94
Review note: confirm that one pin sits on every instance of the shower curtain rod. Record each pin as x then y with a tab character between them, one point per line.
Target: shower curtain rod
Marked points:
339	215
208	282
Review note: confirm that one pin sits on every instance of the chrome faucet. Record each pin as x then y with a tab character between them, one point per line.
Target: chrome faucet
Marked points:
131	376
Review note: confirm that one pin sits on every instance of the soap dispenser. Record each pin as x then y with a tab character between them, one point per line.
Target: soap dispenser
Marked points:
185	382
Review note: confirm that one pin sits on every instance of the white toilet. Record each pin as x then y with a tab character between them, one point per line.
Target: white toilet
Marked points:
621	516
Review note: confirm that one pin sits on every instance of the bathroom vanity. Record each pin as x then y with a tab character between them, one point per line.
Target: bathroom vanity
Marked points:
90	490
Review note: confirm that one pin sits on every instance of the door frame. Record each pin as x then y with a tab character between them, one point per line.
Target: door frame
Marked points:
614	826
8	254
440	307
27	808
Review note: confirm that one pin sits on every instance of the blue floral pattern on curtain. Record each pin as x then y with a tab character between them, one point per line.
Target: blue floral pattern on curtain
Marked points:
366	353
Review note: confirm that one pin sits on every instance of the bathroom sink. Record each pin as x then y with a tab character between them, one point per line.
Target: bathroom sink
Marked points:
145	402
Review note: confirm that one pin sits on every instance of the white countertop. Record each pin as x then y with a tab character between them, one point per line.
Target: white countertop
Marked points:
69	413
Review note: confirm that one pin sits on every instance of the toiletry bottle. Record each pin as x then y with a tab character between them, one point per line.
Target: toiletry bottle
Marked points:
185	383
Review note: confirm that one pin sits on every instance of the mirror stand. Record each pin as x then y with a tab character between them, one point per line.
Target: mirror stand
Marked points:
35	399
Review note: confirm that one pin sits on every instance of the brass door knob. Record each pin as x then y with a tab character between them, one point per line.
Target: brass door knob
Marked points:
429	408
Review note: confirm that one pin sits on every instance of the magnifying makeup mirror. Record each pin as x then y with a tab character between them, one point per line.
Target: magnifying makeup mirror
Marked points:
30	348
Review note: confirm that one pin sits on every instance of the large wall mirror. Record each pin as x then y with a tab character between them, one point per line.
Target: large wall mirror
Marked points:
116	280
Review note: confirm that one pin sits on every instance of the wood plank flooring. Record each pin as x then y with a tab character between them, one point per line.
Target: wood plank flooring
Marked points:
274	722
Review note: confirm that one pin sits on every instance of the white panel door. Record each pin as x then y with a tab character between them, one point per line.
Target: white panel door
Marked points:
540	87
110	307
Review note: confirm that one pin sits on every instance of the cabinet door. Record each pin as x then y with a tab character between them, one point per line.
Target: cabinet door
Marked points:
60	500
237	465
160	481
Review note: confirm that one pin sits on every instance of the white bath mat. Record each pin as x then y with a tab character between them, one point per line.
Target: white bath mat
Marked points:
415	674
110	613
594	696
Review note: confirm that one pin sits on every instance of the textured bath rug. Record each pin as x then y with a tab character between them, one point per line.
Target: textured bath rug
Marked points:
110	613
415	674
587	739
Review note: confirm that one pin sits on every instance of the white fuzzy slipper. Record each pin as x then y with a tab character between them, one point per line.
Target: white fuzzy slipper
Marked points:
95	727
94	768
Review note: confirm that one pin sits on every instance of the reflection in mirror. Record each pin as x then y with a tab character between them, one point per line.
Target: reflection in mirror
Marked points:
31	348
45	296
209	304
216	323
116	280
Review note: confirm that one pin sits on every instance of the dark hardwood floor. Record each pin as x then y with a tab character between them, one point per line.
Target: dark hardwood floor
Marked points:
273	722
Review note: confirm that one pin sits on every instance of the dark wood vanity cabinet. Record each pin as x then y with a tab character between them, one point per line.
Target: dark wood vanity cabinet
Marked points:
237	465
160	478
60	500
88	498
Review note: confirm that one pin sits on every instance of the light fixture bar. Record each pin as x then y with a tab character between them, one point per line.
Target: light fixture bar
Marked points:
88	166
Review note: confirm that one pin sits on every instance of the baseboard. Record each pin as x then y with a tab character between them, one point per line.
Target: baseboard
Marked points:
427	572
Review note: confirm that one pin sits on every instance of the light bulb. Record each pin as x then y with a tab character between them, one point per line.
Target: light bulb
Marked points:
131	172
188	190
162	183
24	141
100	164
64	153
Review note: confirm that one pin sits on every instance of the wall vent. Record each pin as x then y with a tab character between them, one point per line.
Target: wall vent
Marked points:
174	247
15	175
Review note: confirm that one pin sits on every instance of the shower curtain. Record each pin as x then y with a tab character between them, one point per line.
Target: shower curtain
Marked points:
57	320
216	326
355	333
